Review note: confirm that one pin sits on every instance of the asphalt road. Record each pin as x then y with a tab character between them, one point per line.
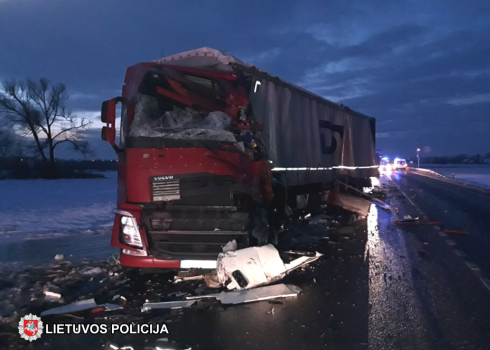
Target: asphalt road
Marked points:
378	286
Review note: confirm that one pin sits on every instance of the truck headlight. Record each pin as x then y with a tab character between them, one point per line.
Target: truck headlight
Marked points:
130	232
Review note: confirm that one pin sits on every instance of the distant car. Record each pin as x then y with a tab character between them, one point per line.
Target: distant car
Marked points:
399	164
384	165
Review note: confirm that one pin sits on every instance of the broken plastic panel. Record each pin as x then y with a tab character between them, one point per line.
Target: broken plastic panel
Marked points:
255	266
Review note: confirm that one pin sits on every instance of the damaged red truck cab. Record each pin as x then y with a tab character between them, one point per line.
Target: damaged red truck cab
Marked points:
193	170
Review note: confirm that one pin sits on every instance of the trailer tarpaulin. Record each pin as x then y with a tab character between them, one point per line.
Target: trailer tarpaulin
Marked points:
308	137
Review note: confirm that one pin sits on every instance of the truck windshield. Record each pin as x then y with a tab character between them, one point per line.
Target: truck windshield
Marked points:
155	117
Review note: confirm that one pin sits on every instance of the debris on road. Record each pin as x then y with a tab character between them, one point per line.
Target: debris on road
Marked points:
251	295
256	266
456	232
189	278
348	202
302	261
167	305
320	219
385	204
410	221
91	271
79	306
345	230
50	296
250	267
211	280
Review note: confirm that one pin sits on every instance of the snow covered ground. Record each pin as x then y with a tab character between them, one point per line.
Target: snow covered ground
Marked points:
41	208
477	174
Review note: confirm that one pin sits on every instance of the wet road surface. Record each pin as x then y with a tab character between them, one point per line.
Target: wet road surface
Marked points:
458	208
378	286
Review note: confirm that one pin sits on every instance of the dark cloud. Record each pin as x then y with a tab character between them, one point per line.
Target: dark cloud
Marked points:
421	68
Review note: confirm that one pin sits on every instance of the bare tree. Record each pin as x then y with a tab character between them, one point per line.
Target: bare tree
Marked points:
38	109
7	143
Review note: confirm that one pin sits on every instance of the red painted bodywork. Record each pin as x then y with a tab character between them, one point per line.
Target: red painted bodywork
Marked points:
137	165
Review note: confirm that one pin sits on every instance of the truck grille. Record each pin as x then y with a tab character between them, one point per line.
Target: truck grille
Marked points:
165	190
188	244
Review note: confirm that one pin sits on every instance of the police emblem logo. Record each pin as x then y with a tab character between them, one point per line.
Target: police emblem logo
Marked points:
30	327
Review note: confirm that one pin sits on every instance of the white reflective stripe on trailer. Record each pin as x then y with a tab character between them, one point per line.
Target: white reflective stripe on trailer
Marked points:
330	168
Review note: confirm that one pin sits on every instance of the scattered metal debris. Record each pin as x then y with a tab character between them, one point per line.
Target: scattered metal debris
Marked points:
79	306
456	232
167	305
255	294
348	202
368	196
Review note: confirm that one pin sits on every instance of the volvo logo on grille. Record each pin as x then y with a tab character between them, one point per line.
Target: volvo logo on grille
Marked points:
160	178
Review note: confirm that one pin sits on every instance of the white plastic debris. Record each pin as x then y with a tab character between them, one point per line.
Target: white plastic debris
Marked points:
256	266
59	257
230	246
51	296
93	271
167	305
255	294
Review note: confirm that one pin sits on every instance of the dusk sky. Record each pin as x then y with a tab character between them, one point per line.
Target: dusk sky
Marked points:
421	68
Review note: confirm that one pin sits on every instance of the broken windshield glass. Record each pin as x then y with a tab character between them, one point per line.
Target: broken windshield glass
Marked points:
153	120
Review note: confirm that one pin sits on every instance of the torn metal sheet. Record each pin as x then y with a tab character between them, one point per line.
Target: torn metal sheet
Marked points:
79	306
167	305
348	202
255	294
302	261
369	196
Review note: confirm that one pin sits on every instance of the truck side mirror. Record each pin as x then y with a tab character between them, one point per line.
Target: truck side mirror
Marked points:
108	116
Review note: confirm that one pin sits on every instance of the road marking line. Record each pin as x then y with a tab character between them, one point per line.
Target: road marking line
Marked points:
448	241
437	227
459	253
442	234
486	282
472	266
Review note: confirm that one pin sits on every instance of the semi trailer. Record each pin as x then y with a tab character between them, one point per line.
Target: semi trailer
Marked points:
212	149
